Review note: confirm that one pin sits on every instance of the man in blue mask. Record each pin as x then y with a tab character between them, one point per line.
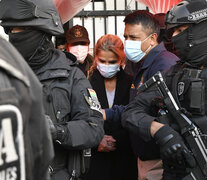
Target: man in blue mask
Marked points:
145	57
187	21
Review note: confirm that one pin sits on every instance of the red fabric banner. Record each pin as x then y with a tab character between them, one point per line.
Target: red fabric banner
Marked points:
159	6
69	8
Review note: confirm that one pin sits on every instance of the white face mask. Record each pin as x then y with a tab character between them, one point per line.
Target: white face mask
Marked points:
133	50
108	71
80	51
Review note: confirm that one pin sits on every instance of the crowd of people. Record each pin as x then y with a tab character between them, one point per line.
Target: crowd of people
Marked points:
68	115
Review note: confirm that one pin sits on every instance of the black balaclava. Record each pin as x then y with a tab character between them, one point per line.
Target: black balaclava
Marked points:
34	45
191	44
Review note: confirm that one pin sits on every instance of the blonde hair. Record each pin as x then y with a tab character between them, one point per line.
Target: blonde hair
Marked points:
111	43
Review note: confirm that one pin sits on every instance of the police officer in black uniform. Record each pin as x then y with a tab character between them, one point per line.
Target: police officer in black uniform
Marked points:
26	143
70	102
187	83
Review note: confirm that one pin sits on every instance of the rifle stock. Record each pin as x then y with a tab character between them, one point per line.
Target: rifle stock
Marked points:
191	134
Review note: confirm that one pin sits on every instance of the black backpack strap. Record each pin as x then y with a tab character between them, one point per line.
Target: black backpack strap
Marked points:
172	78
4	81
7	91
14	72
48	99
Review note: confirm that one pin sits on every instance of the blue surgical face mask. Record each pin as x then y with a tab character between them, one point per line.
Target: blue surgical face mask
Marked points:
108	71
133	50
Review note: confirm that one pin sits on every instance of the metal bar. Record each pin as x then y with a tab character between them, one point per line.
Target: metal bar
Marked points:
136	5
115	17
94	28
104	13
70	24
105	25
83	20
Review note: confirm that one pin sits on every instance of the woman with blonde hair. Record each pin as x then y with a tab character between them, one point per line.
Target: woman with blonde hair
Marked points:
113	159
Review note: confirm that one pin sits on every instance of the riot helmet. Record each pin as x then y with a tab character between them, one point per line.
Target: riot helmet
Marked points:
38	14
187	12
190	43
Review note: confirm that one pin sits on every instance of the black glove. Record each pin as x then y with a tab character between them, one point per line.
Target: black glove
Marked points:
172	147
57	131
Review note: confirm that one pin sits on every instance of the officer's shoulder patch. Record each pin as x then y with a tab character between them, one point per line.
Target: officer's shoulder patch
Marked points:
92	100
92	93
12	161
12	152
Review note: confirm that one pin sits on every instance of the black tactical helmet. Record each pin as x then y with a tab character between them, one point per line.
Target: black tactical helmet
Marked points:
40	14
186	12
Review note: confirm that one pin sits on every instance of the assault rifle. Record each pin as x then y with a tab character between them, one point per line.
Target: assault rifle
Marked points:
191	134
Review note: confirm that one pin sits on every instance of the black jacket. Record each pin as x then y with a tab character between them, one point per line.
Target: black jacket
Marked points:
121	163
139	114
37	147
122	88
69	91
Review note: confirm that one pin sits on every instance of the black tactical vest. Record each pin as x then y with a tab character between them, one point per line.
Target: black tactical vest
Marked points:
188	86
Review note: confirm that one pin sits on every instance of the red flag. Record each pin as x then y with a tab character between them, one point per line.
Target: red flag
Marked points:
69	8
159	6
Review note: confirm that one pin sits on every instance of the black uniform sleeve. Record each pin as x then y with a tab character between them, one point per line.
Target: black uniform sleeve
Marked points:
85	128
136	117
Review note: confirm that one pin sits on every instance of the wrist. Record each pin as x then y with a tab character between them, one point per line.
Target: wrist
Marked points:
103	113
108	114
164	134
155	126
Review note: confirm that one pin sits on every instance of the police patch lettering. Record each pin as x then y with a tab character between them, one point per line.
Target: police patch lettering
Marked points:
93	100
181	86
12	161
